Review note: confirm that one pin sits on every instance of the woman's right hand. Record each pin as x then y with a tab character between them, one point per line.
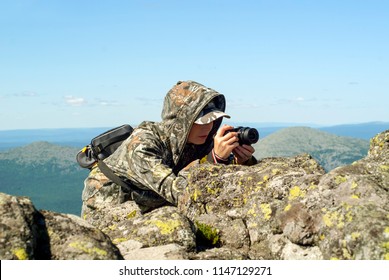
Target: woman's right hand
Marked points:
225	142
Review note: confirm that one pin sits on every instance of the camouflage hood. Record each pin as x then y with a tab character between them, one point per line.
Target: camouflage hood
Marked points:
182	105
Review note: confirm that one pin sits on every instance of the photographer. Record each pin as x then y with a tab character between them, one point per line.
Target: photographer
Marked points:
153	156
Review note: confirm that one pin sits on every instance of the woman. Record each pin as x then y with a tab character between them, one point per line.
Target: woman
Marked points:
151	159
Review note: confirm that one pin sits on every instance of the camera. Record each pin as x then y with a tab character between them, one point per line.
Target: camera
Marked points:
246	135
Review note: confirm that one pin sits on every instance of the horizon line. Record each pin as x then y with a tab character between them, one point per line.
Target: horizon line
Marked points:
268	124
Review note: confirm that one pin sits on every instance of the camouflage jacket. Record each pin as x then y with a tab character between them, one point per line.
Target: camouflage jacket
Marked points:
152	157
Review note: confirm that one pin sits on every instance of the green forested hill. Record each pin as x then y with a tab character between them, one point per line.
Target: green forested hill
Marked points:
47	173
328	149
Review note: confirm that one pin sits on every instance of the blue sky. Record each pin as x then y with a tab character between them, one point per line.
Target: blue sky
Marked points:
104	63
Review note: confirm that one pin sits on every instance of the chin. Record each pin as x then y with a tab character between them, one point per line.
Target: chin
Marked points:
200	142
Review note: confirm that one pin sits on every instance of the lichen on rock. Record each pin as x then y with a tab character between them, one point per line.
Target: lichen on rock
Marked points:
280	208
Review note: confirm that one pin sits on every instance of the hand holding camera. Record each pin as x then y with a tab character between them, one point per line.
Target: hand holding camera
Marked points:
237	141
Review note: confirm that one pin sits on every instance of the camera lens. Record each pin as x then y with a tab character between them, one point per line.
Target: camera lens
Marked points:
249	135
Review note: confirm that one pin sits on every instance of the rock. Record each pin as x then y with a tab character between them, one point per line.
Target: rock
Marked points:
292	209
164	252
160	227
281	208
29	234
21	226
73	238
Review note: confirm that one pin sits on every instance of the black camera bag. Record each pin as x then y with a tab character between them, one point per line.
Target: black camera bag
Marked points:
103	145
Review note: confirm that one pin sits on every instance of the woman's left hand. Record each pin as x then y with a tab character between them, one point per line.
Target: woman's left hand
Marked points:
243	153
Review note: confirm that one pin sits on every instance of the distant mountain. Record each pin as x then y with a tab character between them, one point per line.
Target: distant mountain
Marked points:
74	137
47	173
363	130
328	149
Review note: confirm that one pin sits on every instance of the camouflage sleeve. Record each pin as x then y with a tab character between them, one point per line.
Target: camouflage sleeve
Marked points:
148	169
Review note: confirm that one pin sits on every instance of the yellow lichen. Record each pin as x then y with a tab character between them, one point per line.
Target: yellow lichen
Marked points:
346	254
83	246
266	211
385	168
322	237
340	179
336	219
20	253
349	216
252	225
355	235
265	178
354	185
340	224
296	192
354	196
252	211
275	171
131	215
209	208
166	227
119	240
196	194
213	190
329	218
346	206
287	207
112	227
385	245
386	257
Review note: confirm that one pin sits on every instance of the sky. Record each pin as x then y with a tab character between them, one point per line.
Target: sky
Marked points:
73	63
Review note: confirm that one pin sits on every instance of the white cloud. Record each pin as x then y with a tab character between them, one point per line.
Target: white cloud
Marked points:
107	103
75	101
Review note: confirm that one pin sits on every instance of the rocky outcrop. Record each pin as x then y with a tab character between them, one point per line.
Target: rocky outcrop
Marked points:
281	208
29	234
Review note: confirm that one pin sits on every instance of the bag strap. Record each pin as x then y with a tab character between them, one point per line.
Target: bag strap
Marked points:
143	197
112	176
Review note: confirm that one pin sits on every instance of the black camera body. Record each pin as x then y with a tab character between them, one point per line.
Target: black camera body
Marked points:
246	135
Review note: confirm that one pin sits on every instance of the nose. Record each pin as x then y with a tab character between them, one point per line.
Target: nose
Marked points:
208	127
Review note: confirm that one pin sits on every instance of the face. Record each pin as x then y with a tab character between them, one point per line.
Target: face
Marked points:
199	133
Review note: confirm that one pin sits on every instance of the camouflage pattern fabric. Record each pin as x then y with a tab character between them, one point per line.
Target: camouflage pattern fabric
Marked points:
155	153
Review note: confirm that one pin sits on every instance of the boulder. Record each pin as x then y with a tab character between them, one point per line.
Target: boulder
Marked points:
29	234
